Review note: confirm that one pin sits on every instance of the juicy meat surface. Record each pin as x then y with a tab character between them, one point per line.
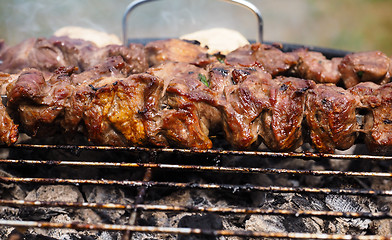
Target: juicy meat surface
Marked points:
8	129
36	53
47	106
188	111
175	50
315	66
364	92
272	59
365	66
281	127
331	117
37	102
377	125
243	103
50	54
118	112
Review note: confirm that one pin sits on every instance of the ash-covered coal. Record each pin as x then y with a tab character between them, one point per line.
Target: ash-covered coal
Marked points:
194	197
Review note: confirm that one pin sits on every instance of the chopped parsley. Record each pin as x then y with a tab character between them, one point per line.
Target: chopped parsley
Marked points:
360	74
204	79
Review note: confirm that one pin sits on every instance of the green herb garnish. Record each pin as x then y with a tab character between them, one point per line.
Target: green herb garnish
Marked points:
204	80
360	74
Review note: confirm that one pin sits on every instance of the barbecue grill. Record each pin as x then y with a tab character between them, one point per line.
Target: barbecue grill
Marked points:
150	176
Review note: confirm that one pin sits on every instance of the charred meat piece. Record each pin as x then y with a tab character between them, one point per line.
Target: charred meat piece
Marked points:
8	129
85	54
117	112
49	54
315	66
331	117
281	127
378	120
38	103
242	94
47	106
243	103
36	53
364	92
272	59
365	66
175	50
113	67
188	111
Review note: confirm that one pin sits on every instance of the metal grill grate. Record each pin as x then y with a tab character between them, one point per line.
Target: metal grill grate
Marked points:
154	164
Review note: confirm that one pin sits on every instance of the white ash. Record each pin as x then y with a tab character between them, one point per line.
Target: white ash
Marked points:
350	204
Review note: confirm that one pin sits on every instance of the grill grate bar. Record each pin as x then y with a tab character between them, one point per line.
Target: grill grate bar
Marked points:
187	231
198	168
303	155
194	209
233	188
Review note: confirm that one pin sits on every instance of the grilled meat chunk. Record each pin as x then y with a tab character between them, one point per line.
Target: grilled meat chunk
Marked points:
315	66
50	54
377	125
331	118
118	112
243	103
44	107
8	129
188	110
364	92
175	50
281	127
85	54
272	59
99	75
365	66
38	103
36	53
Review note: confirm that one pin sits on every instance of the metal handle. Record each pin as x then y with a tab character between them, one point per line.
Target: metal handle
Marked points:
243	3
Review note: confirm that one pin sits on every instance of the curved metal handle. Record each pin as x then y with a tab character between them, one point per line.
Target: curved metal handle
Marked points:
243	3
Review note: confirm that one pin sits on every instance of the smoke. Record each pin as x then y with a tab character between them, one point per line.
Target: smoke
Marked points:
41	18
159	19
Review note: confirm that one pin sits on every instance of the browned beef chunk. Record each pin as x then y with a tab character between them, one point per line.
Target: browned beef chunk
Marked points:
38	102
188	106
119	113
8	129
378	119
175	50
281	127
364	92
365	66
86	54
220	76
35	53
272	59
243	103
45	107
113	67
315	66
50	54
330	115
242	94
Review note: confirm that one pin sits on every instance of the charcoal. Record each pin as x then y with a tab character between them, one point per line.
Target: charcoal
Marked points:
207	221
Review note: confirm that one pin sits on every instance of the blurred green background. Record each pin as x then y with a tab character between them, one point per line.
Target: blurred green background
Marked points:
356	25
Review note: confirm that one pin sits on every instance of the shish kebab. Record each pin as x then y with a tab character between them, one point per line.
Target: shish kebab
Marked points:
173	93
